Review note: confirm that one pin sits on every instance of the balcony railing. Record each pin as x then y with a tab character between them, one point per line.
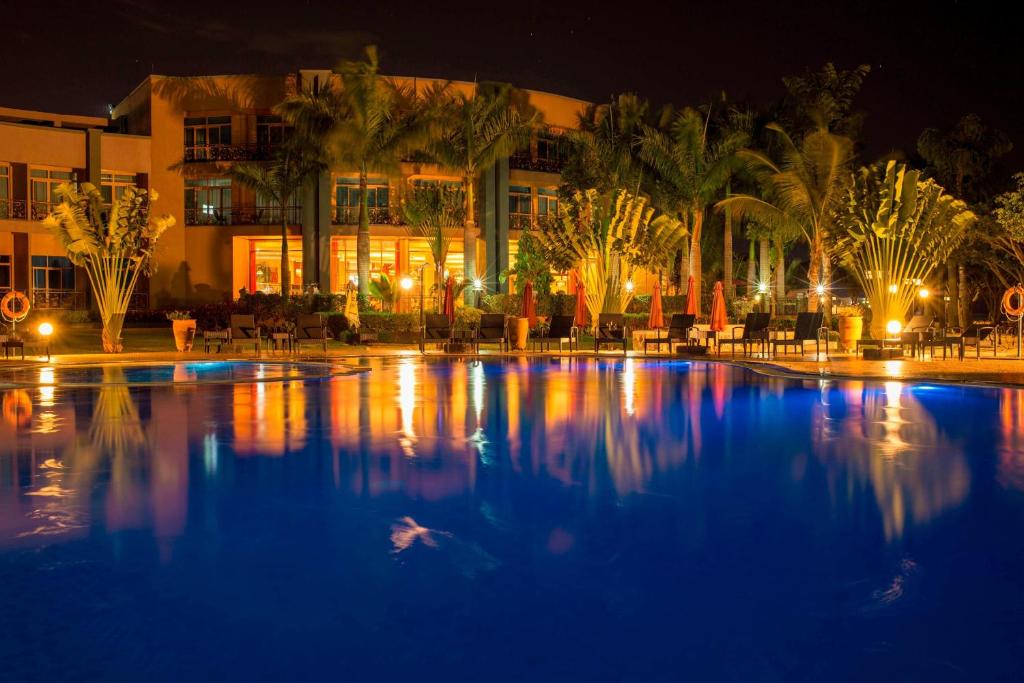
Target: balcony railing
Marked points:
523	161
241	152
521	221
13	209
379	215
243	215
58	298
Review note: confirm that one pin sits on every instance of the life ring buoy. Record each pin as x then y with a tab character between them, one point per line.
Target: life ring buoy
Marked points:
1007	304
7	306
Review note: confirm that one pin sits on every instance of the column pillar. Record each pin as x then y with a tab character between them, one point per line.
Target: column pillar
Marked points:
494	228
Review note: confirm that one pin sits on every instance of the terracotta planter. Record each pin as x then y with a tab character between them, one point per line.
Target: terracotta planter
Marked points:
520	333
851	328
182	335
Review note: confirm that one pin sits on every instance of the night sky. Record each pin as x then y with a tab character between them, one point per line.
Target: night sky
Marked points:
931	61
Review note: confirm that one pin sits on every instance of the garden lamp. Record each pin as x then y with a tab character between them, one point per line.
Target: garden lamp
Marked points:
46	331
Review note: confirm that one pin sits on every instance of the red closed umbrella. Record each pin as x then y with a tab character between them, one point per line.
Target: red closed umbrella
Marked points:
449	299
692	305
529	307
581	304
656	319
718	309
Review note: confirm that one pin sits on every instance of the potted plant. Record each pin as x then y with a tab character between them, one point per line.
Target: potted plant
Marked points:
184	328
851	325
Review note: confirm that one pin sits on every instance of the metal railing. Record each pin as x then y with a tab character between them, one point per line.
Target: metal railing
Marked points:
524	161
252	151
379	215
58	298
243	215
521	221
13	209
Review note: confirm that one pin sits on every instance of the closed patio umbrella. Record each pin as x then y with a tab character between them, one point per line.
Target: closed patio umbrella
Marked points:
529	307
580	317
718	319
352	307
692	305
449	299
656	319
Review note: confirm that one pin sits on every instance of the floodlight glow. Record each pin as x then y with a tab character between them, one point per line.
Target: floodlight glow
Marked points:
924	293
45	329
893	327
629	285
406	283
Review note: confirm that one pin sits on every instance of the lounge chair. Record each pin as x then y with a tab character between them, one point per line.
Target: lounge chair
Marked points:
976	335
493	329
678	331
611	329
808	328
561	330
916	332
436	330
755	331
244	330
311	328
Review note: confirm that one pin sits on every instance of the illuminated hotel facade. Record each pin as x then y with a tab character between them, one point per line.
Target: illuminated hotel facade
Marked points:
180	136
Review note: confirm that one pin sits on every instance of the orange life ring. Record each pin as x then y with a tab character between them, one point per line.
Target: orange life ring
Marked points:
17	408
1008	307
7	308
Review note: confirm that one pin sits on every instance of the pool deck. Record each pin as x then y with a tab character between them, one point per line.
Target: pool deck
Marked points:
1000	371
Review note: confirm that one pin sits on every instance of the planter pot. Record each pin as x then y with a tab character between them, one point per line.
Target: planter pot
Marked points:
520	333
851	328
184	333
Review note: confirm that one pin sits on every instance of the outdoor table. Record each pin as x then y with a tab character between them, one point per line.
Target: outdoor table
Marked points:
218	337
946	341
9	344
284	341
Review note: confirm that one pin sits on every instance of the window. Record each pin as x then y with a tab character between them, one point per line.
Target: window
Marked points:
53	273
5	191
205	136
346	197
548	147
43	189
113	185
208	201
520	207
6	276
271	131
547	202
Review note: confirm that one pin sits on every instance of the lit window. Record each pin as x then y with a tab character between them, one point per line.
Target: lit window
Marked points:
208	201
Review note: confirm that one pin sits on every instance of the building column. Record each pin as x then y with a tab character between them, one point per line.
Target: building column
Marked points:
494	228
316	233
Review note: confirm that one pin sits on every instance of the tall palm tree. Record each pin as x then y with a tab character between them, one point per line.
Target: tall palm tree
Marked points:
475	132
801	191
370	123
603	150
692	170
279	181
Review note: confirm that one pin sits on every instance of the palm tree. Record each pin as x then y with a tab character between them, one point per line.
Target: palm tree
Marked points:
369	124
436	214
279	181
692	170
603	151
475	132
801	192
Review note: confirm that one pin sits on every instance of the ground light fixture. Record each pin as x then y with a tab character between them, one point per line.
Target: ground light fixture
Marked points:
45	330
629	285
405	283
924	293
893	327
819	289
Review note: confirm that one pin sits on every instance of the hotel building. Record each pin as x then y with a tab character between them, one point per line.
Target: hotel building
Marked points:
179	136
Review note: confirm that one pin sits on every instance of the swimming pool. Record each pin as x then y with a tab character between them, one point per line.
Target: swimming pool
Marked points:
192	372
513	520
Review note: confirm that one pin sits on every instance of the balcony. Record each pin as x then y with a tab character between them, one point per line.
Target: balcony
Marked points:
243	215
524	162
13	209
379	215
521	221
241	152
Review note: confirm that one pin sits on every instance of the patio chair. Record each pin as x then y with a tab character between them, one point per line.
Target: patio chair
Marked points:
436	330
679	328
311	328
755	330
808	328
493	329
561	330
244	330
977	335
611	329
916	332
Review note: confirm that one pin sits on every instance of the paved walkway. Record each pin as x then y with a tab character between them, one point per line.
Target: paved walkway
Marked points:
1003	370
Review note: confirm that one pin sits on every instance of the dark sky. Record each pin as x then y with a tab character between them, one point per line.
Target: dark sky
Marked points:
931	61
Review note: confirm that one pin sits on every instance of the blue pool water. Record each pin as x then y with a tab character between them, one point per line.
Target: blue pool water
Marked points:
181	373
543	520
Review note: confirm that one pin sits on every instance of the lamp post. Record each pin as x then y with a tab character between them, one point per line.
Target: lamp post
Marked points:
422	319
478	287
45	331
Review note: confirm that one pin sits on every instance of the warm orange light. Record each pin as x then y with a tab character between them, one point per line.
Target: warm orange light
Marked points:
893	327
45	329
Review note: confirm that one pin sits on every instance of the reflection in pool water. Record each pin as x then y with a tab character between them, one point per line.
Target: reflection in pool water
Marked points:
514	520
